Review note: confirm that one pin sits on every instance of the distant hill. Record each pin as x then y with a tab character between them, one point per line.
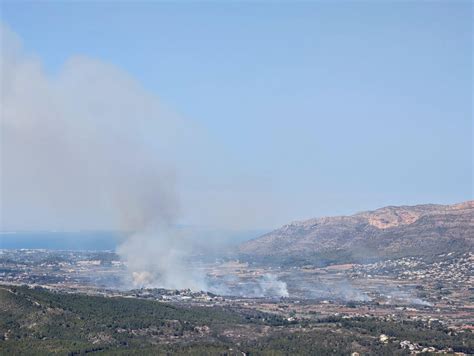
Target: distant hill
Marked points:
393	231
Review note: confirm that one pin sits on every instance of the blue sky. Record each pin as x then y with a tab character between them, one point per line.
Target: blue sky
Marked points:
332	107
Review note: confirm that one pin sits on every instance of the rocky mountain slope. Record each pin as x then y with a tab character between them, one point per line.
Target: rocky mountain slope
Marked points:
383	233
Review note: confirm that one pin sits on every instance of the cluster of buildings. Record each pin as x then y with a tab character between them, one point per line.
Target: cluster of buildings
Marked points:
173	295
446	268
439	288
59	269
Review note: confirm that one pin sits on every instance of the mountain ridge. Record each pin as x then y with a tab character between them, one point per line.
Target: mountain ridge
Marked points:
392	231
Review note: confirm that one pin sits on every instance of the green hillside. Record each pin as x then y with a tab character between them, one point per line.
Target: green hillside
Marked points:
36	322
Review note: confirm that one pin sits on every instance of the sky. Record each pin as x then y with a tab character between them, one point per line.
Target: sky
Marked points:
291	110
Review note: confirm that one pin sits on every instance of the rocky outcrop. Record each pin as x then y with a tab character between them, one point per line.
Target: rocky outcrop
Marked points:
383	233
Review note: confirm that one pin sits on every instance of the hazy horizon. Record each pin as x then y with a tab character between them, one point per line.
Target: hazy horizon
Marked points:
210	228
235	116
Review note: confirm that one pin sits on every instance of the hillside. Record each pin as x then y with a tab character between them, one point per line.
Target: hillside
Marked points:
40	322
388	232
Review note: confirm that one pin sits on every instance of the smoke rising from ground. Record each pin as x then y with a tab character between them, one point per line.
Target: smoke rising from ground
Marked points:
267	285
271	286
88	147
158	258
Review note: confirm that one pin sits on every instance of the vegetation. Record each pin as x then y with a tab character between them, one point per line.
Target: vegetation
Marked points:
40	322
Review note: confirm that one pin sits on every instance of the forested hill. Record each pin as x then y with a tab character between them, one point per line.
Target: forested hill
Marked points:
40	322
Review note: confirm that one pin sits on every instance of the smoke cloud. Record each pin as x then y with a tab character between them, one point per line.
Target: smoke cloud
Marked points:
89	147
159	258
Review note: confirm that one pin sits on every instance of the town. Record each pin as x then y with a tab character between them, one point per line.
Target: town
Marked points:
413	288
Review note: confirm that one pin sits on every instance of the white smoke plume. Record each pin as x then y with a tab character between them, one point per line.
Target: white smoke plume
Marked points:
267	285
272	286
158	258
88	146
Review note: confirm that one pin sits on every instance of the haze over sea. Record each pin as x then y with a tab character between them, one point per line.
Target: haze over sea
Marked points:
106	240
